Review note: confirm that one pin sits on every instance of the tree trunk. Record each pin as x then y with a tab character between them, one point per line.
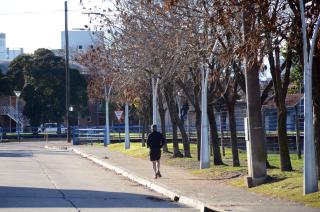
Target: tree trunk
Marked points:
283	138
162	114
280	85
176	151
185	139
298	146
143	140
175	118
233	133
222	120
217	160
168	91
316	104
195	101
198	120
317	133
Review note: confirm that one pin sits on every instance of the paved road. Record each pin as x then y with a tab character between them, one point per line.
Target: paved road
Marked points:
35	179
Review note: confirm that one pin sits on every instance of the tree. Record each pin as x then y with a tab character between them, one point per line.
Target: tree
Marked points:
41	78
5	86
251	40
275	24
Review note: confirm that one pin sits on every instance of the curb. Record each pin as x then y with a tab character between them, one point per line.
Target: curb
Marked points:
173	195
56	147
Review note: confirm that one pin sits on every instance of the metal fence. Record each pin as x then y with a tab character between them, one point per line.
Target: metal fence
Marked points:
91	134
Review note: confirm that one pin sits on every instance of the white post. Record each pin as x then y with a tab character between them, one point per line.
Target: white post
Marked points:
107	140
17	93
205	150
310	179
179	100
188	125
18	121
17	114
127	138
154	100
107	126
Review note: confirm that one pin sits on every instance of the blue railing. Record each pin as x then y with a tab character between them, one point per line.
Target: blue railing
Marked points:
92	134
1	134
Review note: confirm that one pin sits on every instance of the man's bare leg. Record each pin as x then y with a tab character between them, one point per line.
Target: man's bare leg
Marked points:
154	164
158	168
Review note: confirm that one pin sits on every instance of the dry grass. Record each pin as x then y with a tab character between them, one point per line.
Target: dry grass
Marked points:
285	185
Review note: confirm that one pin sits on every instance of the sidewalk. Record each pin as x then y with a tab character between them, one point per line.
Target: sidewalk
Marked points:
181	186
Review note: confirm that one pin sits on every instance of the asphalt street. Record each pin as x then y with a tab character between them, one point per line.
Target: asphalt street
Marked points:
36	179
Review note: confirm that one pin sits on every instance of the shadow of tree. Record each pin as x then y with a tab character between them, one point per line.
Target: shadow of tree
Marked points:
29	197
15	154
274	179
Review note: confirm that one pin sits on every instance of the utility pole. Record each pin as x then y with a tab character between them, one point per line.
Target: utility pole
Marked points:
154	99
107	93
204	151
310	178
127	136
67	71
205	146
107	130
256	153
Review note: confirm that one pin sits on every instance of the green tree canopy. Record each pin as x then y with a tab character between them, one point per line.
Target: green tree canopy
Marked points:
41	77
5	86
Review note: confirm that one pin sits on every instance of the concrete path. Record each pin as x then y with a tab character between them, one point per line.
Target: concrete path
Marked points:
33	178
194	191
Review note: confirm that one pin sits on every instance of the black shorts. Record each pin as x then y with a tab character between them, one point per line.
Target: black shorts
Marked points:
155	154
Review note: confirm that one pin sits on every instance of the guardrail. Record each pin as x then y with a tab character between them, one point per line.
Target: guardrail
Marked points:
85	135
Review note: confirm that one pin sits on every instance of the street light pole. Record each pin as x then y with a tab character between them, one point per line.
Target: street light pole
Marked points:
127	136
107	125
67	71
310	178
17	93
154	99
204	151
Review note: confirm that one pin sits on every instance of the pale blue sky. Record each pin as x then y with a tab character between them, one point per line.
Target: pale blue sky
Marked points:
32	24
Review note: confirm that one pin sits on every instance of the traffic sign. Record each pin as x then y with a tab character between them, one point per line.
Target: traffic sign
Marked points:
118	114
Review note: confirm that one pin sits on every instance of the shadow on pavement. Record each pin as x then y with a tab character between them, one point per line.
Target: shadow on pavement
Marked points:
15	154
28	197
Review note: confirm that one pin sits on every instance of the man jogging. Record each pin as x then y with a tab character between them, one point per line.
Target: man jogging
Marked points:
155	142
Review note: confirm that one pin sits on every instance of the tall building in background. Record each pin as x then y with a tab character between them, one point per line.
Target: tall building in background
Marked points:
81	39
13	53
3	48
8	53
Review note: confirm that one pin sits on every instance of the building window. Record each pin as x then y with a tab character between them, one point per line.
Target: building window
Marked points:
80	46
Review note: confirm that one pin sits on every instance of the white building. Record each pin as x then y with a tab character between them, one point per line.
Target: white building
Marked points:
3	48
13	53
8	53
80	39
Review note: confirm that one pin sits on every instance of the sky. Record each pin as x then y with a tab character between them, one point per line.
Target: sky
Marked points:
33	24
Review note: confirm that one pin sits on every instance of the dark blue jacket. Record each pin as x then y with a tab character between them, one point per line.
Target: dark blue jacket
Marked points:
155	140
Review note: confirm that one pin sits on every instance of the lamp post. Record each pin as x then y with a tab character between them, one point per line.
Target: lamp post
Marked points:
107	92
155	83
67	71
17	93
204	151
310	178
179	100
